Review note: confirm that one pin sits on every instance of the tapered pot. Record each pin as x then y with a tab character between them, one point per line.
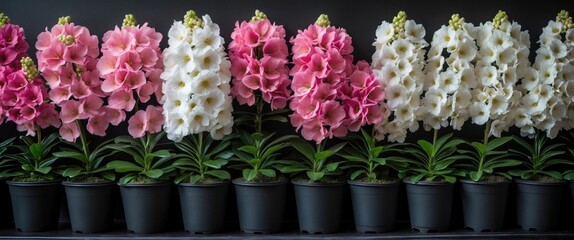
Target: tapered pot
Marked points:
374	206
261	206
91	206
203	206
36	205
430	205
146	206
319	206
484	205
538	204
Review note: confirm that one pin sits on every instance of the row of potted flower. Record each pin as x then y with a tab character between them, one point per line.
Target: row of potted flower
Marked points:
471	73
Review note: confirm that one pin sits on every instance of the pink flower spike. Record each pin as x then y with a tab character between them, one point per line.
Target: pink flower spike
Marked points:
97	125
318	66
276	48
307	108
314	131
374	114
302	83
149	57
44	41
114	81
137	124
107	64
119	42
16	81
131	61
122	100
53	56
353	108
154	118
75	54
27	114
134	80
70	111
114	116
332	113
60	94
69	131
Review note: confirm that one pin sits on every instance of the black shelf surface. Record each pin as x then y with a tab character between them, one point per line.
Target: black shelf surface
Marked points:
119	232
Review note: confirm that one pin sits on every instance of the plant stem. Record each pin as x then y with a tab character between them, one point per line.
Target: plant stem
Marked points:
258	117
39	135
431	158
84	144
486	132
200	154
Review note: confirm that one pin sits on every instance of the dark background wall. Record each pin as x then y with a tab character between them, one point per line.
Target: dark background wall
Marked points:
360	18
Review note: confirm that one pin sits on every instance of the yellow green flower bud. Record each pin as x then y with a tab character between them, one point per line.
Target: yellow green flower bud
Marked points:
78	70
4	20
323	20
499	19
29	68
129	20
66	39
456	21
566	20
64	19
259	15
399	24
191	20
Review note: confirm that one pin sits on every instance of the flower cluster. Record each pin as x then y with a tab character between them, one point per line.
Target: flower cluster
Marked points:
258	54
502	60
331	96
450	80
548	87
196	80
67	58
131	64
398	63
25	100
13	47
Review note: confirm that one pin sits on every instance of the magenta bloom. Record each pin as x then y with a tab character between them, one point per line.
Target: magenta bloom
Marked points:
331	95
258	54
13	47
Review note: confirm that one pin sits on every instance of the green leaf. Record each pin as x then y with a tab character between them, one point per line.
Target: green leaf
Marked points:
475	175
337	148
127	179
249	174
304	148
108	175
71	172
315	176
123	166
220	174
162	153
154	173
332	166
267	172
449	179
217	164
195	179
44	170
275	118
427	147
249	149
74	155
553	174
497	142
292	169
36	150
357	173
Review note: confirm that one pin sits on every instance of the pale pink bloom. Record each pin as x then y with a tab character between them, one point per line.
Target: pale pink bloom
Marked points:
133	80
107	64
276	48
145	91
79	89
16	81
137	124
59	94
97	125
302	83
75	54
119	42
318	65
91	106
70	111
314	131
31	95
114	81
69	131
114	116
47	116
53	57
154	118
130	60
122	100
27	114
44	41
148	57
332	113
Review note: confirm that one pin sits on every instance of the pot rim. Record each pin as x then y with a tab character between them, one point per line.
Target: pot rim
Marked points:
314	184
240	182
206	185
369	184
88	184
427	183
33	184
140	185
468	181
532	182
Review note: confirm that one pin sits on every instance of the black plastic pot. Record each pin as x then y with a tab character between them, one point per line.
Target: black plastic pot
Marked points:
260	206
538	204
91	206
430	205
36	205
5	205
203	206
146	206
319	206
374	206
484	205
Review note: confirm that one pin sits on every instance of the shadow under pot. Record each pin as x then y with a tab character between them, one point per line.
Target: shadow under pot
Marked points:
484	205
146	206
36	205
374	205
538	204
203	206
430	205
91	206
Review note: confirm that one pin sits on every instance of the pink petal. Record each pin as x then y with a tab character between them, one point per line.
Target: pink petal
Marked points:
114	116
69	131
91	106
137	124
155	119
79	89
60	94
69	111
122	100
97	125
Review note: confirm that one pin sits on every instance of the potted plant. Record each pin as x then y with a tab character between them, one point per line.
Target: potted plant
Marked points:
202	183
374	191
539	189
34	186
329	100
538	115
260	78
89	184
148	168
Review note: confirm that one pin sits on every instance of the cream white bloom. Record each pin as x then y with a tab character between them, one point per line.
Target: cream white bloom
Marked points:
178	34
384	33
480	113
